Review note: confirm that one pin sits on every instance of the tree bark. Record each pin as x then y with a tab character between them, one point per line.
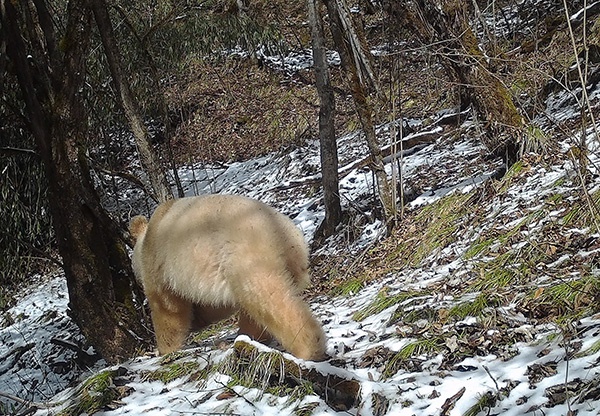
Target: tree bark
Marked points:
448	28
327	139
99	278
150	162
355	61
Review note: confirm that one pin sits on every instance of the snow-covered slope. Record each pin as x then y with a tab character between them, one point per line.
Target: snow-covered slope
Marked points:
432	334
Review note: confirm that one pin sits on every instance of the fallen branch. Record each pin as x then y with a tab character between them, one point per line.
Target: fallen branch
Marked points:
451	402
86	358
16	354
410	145
32	406
123	175
14	151
16	399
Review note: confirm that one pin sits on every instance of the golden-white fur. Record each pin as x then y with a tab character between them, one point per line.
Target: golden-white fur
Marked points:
200	259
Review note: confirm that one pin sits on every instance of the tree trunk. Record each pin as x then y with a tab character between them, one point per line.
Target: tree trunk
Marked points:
96	265
448	28
162	102
152	167
327	139
355	61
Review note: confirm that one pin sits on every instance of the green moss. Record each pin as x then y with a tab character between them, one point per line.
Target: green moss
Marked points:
174	371
94	394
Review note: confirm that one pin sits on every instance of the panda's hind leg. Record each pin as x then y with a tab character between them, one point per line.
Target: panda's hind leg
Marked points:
254	330
172	319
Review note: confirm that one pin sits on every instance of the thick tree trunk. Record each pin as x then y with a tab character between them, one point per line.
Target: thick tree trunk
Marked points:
158	181
448	28
355	61
327	139
96	264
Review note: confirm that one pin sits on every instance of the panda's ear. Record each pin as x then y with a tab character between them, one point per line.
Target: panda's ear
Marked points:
137	227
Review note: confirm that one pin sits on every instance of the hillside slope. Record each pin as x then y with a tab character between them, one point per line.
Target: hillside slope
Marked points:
484	300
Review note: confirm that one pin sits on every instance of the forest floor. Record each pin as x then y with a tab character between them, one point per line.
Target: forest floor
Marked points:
485	299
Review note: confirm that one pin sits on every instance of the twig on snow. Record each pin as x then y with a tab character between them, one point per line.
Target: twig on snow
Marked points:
451	401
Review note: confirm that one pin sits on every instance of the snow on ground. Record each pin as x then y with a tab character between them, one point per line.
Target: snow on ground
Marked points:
34	364
33	367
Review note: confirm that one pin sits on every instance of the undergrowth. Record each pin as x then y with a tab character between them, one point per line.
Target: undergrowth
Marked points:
384	300
169	372
434	227
93	395
414	348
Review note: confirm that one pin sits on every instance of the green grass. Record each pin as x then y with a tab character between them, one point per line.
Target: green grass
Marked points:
93	395
424	346
480	246
486	401
349	287
441	219
212	330
414	314
497	273
570	299
536	140
173	371
517	264
382	301
474	307
269	372
581	214
432	228
435	227
510	175
306	409
593	349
